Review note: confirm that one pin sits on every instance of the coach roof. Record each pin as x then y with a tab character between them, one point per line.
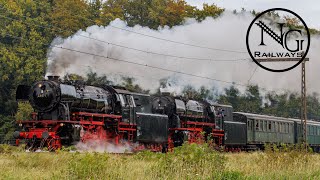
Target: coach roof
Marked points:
274	118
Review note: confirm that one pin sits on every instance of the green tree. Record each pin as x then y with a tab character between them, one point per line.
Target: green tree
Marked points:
208	11
202	93
95	7
252	100
128	83
69	16
231	96
111	10
94	80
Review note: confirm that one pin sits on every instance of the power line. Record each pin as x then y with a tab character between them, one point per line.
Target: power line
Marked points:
146	65
117	73
155	67
252	74
177	42
172	41
130	48
139	64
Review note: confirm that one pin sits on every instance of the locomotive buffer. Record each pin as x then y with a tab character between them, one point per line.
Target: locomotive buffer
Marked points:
303	91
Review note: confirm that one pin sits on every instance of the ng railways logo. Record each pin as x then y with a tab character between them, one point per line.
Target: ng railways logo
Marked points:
269	37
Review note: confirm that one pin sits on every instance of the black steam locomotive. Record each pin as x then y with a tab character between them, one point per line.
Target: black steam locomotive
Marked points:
65	113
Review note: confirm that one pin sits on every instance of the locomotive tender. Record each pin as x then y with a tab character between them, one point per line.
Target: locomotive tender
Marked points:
66	113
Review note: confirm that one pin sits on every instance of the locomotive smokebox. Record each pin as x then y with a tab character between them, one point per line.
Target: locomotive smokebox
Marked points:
53	78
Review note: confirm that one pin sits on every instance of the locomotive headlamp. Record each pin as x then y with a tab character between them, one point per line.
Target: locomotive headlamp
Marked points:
61	124
20	124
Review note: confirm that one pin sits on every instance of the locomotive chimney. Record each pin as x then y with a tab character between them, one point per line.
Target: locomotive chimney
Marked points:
53	78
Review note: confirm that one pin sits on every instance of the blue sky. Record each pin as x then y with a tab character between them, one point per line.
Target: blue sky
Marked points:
309	10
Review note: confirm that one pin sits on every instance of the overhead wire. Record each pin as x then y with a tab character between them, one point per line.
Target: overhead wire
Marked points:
154	67
254	71
140	64
177	42
117	73
135	63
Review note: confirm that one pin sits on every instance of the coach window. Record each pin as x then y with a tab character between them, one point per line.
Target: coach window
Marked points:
265	126
285	127
269	126
279	127
289	125
250	125
312	131
257	125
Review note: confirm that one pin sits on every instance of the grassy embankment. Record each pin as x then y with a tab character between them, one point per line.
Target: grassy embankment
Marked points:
188	162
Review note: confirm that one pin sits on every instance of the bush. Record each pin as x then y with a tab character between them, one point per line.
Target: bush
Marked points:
8	149
190	161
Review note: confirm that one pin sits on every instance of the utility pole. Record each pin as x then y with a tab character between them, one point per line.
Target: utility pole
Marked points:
303	92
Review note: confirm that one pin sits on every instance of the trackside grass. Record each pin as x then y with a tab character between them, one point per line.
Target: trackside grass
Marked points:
187	162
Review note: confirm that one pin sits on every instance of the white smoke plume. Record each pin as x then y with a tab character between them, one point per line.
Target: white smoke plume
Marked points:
226	32
102	147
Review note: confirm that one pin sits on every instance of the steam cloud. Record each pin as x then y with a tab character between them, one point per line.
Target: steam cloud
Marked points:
102	146
226	32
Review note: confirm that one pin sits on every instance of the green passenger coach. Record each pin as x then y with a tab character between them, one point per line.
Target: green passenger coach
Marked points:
262	129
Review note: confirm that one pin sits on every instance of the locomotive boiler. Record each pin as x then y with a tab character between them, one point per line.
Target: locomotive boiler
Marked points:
54	100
